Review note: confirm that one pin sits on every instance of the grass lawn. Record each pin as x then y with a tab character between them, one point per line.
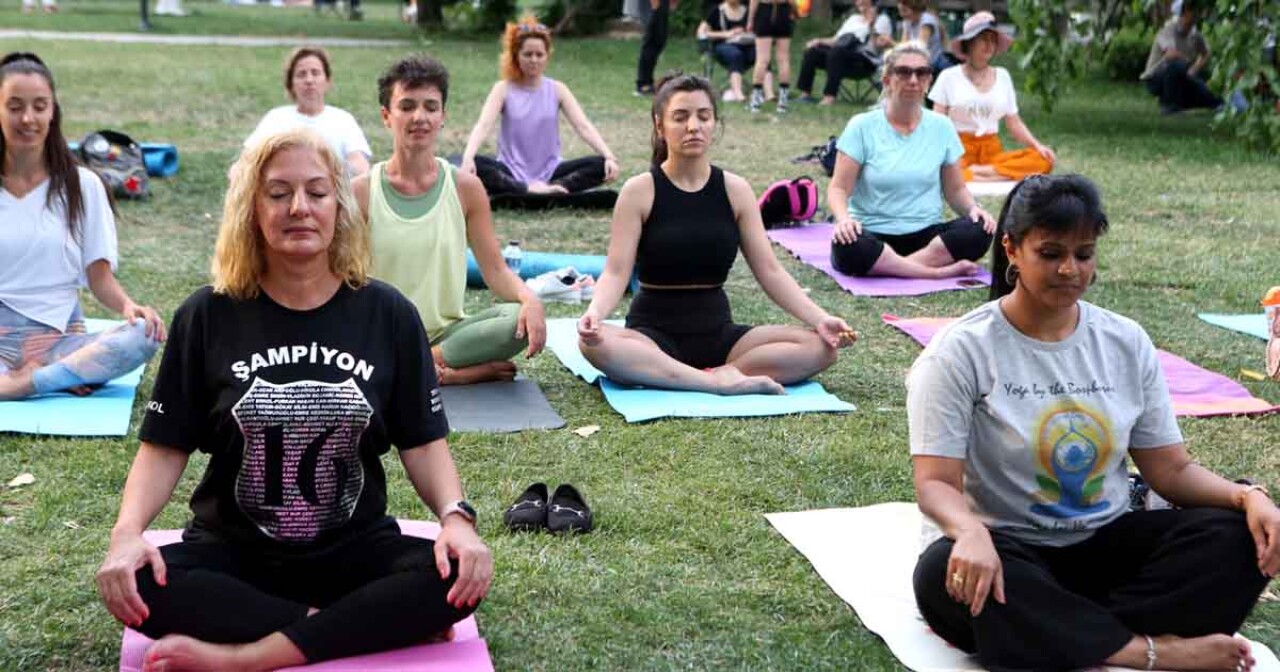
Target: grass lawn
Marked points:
683	571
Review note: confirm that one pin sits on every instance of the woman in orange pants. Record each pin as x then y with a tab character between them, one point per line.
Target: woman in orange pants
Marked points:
977	96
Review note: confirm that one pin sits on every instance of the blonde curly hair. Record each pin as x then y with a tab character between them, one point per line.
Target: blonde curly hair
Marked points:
239	259
513	39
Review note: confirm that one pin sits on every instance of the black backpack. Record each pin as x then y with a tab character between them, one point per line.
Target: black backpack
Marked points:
118	159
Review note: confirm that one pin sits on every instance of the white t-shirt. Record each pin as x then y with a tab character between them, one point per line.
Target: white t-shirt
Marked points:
41	264
1043	428
971	110
857	25
336	125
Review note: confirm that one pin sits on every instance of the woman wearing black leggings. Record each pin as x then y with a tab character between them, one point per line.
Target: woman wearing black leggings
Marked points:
290	557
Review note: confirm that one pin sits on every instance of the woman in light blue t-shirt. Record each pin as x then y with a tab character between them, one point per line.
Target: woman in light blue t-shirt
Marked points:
1023	415
894	165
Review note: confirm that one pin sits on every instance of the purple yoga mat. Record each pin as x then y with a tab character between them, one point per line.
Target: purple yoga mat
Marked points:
1196	392
812	245
466	653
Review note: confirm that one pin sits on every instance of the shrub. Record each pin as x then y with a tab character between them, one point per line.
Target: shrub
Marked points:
1126	55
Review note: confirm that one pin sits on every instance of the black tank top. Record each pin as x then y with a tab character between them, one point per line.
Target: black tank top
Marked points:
690	238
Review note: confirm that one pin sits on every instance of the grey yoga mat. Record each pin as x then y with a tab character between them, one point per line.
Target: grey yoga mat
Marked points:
508	406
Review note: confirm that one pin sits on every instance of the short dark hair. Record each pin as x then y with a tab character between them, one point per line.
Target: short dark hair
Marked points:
1057	203
291	63
413	72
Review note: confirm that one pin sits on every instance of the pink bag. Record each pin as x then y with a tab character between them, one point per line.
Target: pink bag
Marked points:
788	202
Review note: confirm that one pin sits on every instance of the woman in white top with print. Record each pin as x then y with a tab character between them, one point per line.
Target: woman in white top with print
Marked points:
1022	415
977	96
58	234
307	78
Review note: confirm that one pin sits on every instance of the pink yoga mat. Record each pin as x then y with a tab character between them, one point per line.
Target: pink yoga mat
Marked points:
812	245
1196	392
466	653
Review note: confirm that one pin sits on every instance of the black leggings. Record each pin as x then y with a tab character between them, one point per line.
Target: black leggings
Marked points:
963	238
376	592
1186	572
575	175
654	41
839	64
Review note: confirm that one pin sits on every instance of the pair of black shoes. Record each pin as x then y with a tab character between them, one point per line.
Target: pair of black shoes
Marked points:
566	511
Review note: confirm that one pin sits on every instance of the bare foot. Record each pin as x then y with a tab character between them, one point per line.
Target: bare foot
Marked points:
442	636
478	373
731	381
827	100
544	188
16	385
961	268
985	173
1212	652
179	652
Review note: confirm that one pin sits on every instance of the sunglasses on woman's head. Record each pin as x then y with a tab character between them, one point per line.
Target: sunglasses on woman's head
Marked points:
904	72
532	27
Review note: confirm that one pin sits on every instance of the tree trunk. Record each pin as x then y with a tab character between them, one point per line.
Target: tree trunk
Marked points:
430	14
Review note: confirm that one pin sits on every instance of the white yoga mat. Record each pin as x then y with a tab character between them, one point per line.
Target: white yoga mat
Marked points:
1001	188
877	583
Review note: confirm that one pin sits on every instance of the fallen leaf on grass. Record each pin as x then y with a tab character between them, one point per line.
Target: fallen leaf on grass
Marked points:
586	431
1268	596
25	478
8	520
72	525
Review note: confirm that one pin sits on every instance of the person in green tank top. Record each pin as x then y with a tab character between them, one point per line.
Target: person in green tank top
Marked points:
422	215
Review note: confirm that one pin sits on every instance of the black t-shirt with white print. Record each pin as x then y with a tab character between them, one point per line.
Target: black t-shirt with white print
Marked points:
294	408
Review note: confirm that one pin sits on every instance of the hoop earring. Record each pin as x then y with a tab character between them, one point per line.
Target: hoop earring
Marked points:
1011	274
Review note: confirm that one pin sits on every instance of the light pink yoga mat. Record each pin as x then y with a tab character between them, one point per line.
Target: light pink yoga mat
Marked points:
466	653
1196	392
812	245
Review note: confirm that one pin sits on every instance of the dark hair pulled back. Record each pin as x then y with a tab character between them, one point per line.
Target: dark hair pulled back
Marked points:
671	84
1055	203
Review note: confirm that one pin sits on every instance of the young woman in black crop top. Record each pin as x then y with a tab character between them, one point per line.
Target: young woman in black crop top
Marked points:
681	225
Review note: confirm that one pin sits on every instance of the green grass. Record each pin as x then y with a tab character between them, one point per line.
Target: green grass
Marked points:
683	572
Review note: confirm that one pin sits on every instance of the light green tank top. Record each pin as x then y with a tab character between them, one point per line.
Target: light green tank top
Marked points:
423	257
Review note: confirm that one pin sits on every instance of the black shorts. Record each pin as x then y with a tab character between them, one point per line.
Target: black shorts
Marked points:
774	20
693	326
963	238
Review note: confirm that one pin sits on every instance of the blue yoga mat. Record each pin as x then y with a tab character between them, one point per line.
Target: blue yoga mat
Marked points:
533	264
106	412
1253	325
160	158
638	404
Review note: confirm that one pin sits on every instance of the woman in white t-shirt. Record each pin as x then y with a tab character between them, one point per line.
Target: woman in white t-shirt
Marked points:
977	96
1021	415
307	78
57	234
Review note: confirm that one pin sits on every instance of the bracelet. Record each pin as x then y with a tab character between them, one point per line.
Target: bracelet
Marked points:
1243	493
1151	653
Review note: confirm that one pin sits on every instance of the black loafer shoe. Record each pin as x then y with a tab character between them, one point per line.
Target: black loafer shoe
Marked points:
568	511
529	512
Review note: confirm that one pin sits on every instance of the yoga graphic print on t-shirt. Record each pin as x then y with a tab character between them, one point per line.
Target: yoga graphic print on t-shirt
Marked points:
300	474
1073	448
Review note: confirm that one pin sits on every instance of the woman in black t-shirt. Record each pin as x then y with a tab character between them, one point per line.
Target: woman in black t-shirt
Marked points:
295	372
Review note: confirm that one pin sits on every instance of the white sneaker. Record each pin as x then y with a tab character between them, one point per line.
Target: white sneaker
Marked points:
558	286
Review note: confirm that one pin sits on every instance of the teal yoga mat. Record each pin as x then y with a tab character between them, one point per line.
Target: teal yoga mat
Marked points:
533	264
1253	325
638	404
106	412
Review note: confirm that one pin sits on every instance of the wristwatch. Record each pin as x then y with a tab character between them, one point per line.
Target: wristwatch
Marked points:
461	507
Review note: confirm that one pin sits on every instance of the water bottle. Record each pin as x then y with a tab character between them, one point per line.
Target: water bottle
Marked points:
513	256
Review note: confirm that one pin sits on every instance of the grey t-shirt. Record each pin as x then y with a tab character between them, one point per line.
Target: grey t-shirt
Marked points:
911	31
1043	428
1191	46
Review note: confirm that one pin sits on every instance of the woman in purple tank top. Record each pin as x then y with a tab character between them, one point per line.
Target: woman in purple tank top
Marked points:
529	104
